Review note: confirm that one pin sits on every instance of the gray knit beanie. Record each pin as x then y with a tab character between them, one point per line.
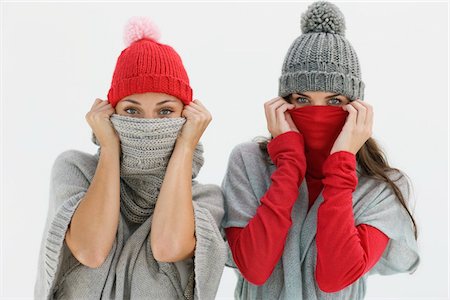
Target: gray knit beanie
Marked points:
321	58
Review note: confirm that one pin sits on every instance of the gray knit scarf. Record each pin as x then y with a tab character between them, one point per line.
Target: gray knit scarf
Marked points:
147	145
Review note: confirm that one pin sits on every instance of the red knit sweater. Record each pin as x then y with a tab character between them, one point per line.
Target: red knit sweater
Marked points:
344	252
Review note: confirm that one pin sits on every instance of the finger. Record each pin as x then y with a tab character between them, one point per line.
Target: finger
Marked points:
282	108
197	107
266	112
290	121
192	109
104	103
361	117
191	106
273	100
197	102
203	115
352	114
96	102
109	112
275	106
280	113
271	111
369	113
104	107
191	113
185	113
267	106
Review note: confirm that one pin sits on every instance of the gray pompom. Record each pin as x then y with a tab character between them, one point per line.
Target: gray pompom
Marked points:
323	17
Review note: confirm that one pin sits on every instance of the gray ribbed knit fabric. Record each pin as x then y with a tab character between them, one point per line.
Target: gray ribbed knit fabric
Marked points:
130	270
247	179
147	145
321	58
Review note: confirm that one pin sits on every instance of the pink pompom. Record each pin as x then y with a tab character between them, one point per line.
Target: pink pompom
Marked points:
138	28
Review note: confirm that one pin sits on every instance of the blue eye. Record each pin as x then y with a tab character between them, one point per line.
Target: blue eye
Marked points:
165	111
339	101
299	100
132	109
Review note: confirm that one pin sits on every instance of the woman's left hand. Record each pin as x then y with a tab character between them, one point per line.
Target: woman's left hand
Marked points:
357	128
197	119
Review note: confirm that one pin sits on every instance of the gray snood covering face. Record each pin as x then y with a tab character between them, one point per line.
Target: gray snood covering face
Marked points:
147	145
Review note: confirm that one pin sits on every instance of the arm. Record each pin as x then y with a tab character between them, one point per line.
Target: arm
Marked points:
172	234
93	228
258	246
344	252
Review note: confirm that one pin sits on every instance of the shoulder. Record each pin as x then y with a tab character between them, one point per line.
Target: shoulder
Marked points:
75	156
76	160
398	177
201	190
251	148
248	155
248	172
378	194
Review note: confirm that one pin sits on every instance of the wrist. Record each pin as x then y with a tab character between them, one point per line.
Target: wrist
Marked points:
289	141
342	150
289	150
340	161
113	146
110	150
184	147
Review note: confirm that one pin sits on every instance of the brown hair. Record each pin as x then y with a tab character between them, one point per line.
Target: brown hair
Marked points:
374	164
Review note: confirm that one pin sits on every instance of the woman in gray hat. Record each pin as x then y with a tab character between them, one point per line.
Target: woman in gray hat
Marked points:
313	211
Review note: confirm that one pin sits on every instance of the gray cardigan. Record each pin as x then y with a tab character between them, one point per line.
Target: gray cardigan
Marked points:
374	203
129	271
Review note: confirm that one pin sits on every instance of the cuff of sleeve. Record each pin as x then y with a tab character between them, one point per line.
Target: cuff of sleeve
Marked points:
290	141
210	254
55	238
340	159
339	170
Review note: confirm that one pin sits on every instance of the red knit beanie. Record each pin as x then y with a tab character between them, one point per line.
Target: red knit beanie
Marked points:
147	65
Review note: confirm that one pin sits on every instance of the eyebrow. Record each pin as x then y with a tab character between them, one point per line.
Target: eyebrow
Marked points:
306	96
132	101
300	94
159	103
165	101
332	96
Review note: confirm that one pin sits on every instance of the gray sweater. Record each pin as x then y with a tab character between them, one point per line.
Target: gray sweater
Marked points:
129	271
247	180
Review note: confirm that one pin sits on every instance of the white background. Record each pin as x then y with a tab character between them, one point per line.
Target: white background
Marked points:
58	57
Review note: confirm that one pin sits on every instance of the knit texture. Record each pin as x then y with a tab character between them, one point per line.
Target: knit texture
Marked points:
130	270
147	65
321	58
246	181
146	145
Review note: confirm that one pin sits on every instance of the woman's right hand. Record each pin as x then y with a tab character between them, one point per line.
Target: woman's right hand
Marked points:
278	119
98	119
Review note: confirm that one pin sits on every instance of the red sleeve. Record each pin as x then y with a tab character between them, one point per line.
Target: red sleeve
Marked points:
344	252
258	246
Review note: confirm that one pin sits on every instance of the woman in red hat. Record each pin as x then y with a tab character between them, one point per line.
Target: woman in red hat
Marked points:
131	221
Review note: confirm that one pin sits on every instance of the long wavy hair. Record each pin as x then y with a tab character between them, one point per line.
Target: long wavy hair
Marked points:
374	164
